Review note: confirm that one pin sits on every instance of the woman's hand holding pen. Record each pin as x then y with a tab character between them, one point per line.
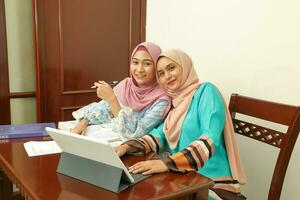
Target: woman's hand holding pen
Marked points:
105	91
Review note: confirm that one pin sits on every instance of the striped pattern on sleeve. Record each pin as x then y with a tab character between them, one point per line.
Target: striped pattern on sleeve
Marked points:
193	157
152	144
145	144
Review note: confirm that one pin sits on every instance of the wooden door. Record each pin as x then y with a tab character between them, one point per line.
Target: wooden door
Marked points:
79	42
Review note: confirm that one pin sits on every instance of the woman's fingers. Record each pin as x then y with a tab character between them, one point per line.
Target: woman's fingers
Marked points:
121	150
103	83
144	167
97	84
137	167
148	172
149	167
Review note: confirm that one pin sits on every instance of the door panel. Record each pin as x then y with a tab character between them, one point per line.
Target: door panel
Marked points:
94	37
79	42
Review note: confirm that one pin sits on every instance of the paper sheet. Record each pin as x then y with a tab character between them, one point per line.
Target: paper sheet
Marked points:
37	148
100	131
104	133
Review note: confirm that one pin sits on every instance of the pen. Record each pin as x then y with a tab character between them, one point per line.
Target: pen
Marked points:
109	82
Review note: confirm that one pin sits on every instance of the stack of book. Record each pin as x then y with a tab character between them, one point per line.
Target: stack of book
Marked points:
24	130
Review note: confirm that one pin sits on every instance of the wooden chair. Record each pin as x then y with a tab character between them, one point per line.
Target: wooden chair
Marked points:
274	112
6	189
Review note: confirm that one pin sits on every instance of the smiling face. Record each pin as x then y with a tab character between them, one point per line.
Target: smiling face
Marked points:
142	68
169	74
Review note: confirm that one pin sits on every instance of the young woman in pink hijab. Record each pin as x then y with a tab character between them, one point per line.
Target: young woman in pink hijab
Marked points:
136	105
197	133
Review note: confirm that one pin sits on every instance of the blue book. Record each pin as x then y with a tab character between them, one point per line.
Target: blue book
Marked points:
24	130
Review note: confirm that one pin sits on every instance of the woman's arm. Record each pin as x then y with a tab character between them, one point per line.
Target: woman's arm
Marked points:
152	142
94	113
191	158
131	125
114	105
146	144
80	127
105	91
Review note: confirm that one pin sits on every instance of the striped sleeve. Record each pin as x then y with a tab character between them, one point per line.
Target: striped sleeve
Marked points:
191	158
145	144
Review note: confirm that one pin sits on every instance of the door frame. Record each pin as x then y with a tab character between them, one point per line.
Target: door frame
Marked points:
4	79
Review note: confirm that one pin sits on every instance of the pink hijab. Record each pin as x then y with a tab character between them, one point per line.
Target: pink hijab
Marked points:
139	98
181	100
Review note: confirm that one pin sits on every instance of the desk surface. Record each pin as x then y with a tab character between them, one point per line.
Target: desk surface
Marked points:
37	178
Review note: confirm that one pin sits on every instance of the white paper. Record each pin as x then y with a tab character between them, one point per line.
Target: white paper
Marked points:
101	131
37	148
105	133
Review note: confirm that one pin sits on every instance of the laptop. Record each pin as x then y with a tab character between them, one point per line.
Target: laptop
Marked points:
92	149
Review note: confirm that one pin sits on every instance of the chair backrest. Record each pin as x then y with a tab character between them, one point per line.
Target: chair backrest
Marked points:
274	112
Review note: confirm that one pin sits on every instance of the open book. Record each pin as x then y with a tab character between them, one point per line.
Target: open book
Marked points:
102	131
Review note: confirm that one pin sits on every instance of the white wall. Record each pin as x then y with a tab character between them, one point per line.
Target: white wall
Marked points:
248	47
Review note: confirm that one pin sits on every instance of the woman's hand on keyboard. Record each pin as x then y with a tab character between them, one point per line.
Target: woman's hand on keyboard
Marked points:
149	167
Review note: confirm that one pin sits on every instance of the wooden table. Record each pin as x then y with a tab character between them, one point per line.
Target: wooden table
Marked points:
37	179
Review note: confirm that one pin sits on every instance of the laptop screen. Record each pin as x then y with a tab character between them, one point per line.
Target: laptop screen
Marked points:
90	148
